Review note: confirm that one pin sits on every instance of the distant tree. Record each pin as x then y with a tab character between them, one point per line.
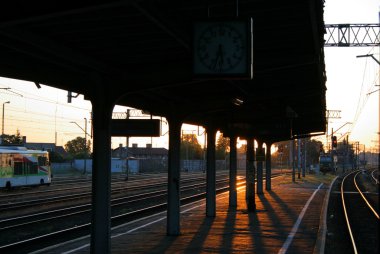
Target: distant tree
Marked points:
77	149
12	139
55	157
222	147
281	157
346	152
242	149
313	150
283	152
190	147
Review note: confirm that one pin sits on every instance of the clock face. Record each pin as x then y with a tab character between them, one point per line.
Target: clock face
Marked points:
221	47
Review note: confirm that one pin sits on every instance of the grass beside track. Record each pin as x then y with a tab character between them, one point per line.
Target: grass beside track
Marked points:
308	179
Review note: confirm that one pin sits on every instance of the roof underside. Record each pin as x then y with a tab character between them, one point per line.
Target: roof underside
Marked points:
139	54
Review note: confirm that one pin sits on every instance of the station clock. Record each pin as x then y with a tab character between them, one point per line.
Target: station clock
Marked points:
222	49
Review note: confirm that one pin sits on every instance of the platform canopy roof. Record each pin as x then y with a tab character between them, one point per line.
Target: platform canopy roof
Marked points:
138	53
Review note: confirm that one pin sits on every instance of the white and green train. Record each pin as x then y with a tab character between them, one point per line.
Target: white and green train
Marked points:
22	167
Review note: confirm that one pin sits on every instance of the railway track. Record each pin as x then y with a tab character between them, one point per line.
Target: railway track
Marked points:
23	232
49	197
133	197
116	204
76	184
346	201
143	205
362	218
375	176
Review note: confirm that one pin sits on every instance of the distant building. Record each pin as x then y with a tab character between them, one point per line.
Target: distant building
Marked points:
147	152
49	147
148	159
117	165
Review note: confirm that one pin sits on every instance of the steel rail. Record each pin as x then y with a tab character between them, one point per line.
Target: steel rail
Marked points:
70	231
346	215
373	177
364	198
115	181
84	208
76	196
124	216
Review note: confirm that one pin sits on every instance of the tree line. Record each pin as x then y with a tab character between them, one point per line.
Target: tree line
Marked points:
79	148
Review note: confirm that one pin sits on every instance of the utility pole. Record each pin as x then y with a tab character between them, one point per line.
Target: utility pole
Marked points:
378	62
126	150
85	142
364	158
357	154
330	114
85	146
2	129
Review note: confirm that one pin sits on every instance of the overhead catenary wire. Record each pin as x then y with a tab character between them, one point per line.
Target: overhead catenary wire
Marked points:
364	93
26	95
39	115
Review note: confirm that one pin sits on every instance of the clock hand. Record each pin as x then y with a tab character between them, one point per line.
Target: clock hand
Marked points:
219	58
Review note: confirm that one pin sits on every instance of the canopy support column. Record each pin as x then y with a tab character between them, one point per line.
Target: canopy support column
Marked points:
268	167
101	176
210	174
233	172
173	210
259	170
250	175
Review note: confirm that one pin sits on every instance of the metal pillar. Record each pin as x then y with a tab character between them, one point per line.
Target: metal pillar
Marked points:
210	174
259	170
293	161
250	176
233	172
299	158
248	168
304	157
173	210
268	167
85	146
101	177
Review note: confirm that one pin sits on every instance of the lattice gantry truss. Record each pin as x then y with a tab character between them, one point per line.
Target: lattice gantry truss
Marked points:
352	35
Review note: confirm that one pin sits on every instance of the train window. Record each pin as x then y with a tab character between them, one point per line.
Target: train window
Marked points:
18	168
31	167
2	160
42	161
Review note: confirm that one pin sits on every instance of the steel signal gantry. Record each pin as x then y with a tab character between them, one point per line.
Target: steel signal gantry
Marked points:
352	35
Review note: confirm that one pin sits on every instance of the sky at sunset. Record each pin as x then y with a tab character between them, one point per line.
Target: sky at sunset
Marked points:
43	115
351	81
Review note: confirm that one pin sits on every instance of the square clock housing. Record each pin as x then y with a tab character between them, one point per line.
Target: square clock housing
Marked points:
223	49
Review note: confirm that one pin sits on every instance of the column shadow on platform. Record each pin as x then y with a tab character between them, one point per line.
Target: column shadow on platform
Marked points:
284	206
255	231
229	228
279	229
198	241
165	243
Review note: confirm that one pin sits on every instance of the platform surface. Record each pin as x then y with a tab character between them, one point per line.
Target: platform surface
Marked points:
286	221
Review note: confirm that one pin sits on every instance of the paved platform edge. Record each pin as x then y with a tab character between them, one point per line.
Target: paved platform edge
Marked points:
322	231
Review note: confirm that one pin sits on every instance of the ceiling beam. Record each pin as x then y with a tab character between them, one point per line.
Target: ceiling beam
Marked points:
53	48
174	33
51	14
